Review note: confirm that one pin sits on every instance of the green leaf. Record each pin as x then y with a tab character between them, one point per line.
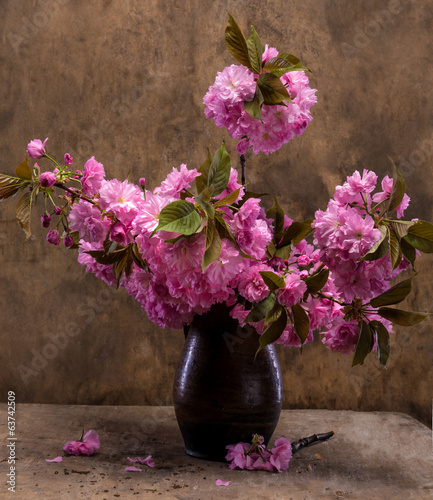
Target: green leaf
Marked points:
284	252
394	295
301	322
254	107
421	244
280	65
272	89
274	314
201	180
23	211
179	216
422	229
383	343
261	309
400	317
379	249
317	281
213	245
296	232
236	43
76	239
398	190
394	248
276	213
364	345
255	50
9	186
401	228
222	227
219	171
408	252
206	207
23	170
227	200
294	61
272	280
274	331
107	259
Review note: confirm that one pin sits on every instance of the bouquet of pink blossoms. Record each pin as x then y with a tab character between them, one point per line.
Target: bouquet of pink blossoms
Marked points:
201	238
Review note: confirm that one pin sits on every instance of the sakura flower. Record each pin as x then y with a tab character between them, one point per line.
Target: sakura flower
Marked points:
387	184
93	176
177	181
121	198
87	220
293	290
251	285
342	336
47	179
87	445
36	148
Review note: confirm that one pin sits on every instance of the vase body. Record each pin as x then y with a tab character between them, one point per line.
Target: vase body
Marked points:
222	395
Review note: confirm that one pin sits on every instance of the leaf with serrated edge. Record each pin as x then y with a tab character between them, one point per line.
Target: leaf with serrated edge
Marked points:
276	213
383	344
23	170
284	252
400	317
375	247
23	212
317	281
213	245
296	232
272	89
274	314
255	50
272	280
10	186
261	309
179	216
274	331
408	252
394	295
236	43
227	200
398	189
254	107
206	207
422	229
394	248
421	244
219	171
201	180
301	322
401	228
363	346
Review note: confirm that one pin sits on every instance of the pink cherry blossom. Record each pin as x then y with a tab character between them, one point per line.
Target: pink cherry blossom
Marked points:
68	159
87	446
55	460
36	148
47	179
93	176
87	220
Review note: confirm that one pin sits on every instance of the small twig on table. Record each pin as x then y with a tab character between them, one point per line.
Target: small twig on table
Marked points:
314	439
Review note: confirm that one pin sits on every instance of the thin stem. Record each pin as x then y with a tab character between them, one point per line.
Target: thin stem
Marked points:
52	159
315	438
243	169
75	193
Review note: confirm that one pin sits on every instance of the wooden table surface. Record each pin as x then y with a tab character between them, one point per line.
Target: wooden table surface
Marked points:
373	455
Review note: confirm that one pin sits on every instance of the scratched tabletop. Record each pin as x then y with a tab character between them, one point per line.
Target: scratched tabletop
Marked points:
375	455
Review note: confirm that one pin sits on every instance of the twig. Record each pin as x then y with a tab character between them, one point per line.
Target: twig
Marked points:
314	439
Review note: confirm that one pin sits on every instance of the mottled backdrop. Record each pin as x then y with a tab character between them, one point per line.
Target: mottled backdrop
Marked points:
124	81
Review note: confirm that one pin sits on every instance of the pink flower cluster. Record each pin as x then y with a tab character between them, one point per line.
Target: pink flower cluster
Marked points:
236	84
344	233
255	455
87	445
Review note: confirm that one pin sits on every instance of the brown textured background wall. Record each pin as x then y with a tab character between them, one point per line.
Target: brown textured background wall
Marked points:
124	81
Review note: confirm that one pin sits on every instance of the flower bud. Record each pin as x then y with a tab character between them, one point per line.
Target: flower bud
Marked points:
68	159
47	179
68	241
57	210
36	148
53	237
45	220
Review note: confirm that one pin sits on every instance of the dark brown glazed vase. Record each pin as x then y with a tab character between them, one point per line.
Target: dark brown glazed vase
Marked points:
221	394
